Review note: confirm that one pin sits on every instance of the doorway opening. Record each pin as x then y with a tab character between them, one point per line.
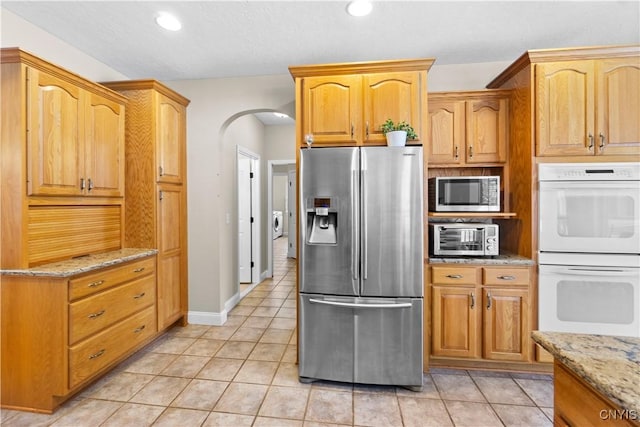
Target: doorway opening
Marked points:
281	196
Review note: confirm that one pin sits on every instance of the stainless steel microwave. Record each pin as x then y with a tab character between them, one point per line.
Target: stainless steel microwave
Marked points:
464	194
468	239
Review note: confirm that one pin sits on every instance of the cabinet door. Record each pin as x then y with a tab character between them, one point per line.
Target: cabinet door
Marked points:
487	130
55	127
104	147
171	266
170	139
455	321
394	96
331	109
618	106
446	132
565	108
505	324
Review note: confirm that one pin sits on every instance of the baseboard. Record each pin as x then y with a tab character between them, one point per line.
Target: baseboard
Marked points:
207	318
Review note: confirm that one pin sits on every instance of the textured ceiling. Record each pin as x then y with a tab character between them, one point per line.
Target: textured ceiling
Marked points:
242	38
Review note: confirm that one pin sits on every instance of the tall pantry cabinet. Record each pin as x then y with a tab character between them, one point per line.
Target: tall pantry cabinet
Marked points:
156	187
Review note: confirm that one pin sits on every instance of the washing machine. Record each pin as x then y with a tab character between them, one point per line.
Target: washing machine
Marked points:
277	224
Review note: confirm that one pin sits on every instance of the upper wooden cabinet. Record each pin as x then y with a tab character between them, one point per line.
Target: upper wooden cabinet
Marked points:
584	102
588	107
170	134
75	138
346	104
468	128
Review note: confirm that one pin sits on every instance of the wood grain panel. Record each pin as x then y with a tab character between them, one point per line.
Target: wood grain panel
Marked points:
140	199
62	232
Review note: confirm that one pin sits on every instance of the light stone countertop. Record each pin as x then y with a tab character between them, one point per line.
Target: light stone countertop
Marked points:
610	364
504	259
82	264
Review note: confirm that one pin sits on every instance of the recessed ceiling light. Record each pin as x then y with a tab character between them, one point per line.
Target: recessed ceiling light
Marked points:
168	21
359	8
280	115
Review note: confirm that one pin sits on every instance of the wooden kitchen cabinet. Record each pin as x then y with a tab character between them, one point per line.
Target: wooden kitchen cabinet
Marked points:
61	332
156	187
468	128
588	107
480	312
346	104
75	139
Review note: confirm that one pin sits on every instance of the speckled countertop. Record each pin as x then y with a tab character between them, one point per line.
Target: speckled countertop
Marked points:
83	264
504	259
609	364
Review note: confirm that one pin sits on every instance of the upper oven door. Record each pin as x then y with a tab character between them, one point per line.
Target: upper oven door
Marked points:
590	216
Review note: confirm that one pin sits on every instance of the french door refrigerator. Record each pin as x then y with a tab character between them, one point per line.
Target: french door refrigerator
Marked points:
361	265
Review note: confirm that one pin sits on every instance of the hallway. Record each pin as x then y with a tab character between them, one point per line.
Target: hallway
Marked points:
244	374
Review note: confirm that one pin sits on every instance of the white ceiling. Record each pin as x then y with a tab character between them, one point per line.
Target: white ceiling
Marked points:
242	38
248	38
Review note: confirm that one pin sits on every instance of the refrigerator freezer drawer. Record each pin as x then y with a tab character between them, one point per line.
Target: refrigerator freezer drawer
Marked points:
361	340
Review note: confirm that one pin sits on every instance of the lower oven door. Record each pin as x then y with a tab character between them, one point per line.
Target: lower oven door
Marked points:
590	300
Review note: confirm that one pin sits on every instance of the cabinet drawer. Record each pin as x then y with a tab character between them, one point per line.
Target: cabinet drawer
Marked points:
99	311
92	355
505	276
107	278
455	275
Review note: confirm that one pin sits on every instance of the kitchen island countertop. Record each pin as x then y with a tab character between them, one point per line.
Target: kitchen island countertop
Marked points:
503	259
610	364
82	264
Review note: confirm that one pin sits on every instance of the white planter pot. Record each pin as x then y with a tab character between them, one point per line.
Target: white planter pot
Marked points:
396	138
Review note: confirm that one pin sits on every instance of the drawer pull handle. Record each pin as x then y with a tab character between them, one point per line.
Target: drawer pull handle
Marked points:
98	354
138	270
507	277
94	315
96	283
454	276
138	330
139	295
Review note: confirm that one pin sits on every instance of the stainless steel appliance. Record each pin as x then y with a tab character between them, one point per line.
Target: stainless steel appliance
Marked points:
361	265
446	239
589	242
464	194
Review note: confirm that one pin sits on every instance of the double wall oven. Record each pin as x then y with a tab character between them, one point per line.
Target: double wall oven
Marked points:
589	248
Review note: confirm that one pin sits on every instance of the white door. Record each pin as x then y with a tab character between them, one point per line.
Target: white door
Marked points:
244	218
291	211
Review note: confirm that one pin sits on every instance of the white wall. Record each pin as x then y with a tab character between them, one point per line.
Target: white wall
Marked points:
212	135
16	32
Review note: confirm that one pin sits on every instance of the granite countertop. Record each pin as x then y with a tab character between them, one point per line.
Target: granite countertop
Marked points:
82	264
610	364
504	259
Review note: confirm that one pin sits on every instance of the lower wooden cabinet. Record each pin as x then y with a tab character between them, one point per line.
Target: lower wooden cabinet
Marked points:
60	333
481	312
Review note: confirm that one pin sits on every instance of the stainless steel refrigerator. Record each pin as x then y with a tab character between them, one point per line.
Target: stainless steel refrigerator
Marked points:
361	265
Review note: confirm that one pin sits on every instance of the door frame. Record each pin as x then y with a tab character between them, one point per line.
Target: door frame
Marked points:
270	166
256	214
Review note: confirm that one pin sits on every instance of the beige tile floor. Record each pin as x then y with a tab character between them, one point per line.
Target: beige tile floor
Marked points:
244	374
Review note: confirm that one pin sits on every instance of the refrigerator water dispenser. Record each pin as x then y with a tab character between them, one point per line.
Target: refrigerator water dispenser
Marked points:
322	223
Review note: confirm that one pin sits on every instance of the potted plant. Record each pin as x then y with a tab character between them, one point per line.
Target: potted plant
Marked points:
398	133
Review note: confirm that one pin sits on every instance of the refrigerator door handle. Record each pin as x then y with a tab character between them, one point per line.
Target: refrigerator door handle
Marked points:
360	305
354	228
365	232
